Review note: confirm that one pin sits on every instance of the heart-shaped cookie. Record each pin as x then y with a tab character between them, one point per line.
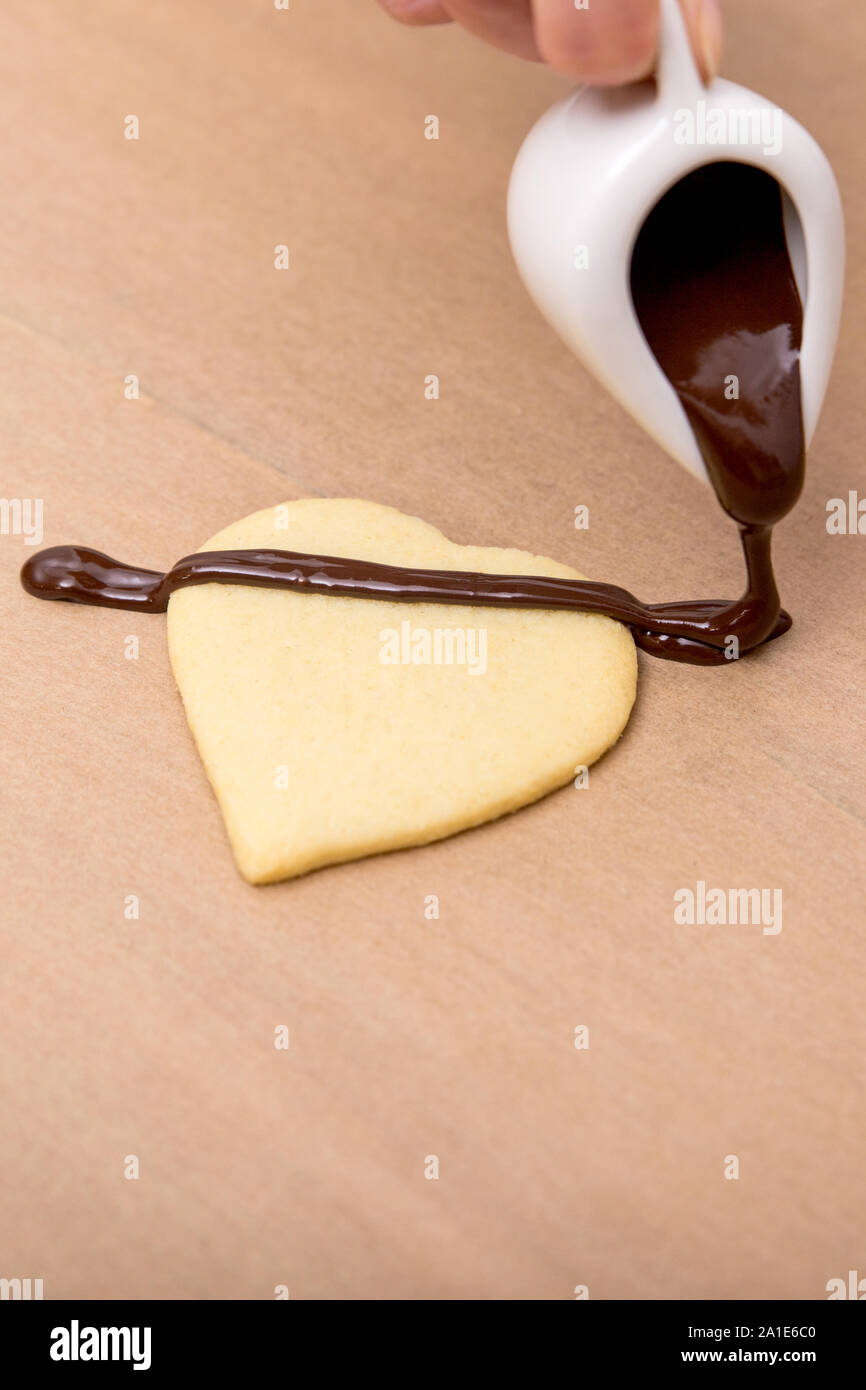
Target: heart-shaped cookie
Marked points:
332	728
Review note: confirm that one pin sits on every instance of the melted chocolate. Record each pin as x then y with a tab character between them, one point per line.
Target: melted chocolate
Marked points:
683	631
715	294
716	298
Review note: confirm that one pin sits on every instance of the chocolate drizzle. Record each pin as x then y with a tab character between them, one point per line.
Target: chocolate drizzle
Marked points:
684	631
716	298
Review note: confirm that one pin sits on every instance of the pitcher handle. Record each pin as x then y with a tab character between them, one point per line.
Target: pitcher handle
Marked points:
677	76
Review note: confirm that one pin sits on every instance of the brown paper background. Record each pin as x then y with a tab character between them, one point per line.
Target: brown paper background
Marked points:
408	1038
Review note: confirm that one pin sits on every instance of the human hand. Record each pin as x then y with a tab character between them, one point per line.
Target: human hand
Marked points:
607	43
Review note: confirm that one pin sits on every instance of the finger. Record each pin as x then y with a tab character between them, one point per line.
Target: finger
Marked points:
610	42
417	11
616	41
506	24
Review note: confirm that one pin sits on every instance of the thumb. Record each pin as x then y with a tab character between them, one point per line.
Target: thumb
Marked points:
610	42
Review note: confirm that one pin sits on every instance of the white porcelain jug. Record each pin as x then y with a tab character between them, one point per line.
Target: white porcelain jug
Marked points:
594	166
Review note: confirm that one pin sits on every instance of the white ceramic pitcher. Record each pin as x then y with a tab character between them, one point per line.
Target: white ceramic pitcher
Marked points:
594	166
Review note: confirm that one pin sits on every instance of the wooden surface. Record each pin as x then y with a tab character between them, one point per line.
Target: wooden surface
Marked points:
409	1038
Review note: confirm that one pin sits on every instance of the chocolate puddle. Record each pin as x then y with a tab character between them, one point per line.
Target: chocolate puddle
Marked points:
715	295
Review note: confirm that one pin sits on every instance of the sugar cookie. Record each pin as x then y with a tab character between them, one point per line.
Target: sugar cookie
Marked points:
333	728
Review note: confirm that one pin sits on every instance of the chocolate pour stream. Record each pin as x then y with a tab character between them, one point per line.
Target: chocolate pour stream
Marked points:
715	295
